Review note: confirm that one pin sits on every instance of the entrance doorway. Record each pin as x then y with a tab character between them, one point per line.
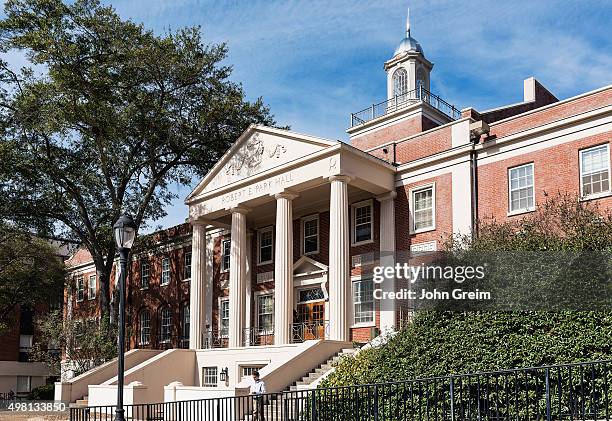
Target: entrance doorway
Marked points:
310	315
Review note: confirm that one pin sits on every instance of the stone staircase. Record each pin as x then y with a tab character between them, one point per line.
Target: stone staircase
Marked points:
305	382
273	408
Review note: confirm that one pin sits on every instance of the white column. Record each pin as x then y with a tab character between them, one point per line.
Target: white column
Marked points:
249	287
283	268
339	268
237	277
210	257
387	257
198	291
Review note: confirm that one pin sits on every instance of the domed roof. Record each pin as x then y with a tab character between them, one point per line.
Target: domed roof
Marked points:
409	44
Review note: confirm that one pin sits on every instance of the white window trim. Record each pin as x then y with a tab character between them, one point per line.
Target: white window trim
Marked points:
303	242
182	336
219	328
375	309
256	297
259	232
80	279
140	342
161	318
525	210
603	193
187	278
89	296
224	269
354	206
148	275
417	189
161	279
204	377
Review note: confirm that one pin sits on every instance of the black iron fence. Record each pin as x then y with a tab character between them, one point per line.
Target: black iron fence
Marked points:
560	392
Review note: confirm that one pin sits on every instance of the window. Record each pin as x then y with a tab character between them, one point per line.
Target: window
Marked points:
145	327
187	274
165	276
80	288
310	294
595	170
185	321
363	222
420	81
209	376
24	384
224	313
266	248
145	271
165	331
423	206
521	193
91	287
25	343
247	370
265	313
225	254
363	301
310	237
400	82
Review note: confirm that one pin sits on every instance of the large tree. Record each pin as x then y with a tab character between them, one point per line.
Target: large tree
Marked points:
111	119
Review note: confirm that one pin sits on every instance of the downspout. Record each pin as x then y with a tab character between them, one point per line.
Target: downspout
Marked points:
477	130
474	187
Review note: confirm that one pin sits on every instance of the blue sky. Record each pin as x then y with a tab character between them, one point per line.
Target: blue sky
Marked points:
316	61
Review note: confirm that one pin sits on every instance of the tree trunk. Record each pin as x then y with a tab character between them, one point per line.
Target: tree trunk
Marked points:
104	278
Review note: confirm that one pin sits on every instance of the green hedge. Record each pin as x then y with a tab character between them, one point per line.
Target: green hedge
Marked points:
442	343
42	393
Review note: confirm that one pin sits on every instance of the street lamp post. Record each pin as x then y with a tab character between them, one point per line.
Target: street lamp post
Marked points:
125	233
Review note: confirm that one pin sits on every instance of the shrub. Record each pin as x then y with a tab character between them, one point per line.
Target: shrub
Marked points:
42	393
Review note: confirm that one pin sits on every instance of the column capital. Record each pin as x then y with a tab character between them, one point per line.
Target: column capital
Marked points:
198	221
387	196
240	209
286	194
340	177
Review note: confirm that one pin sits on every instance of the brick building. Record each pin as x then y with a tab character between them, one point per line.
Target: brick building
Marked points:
280	228
18	373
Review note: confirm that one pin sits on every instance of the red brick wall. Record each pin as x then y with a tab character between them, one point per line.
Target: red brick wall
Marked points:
424	145
556	169
554	113
389	133
444	221
9	351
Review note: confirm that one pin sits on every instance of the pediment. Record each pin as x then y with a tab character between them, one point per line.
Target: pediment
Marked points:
257	150
307	266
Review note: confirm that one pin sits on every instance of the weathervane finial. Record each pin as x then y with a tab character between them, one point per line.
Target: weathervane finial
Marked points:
408	24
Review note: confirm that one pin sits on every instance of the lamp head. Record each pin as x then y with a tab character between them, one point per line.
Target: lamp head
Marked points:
125	231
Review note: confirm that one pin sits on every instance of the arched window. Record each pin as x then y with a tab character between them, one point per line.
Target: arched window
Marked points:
185	321
420	80
165	324
400	82
145	327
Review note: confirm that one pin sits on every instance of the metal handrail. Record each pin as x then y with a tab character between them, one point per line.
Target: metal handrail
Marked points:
215	338
258	336
303	331
399	102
